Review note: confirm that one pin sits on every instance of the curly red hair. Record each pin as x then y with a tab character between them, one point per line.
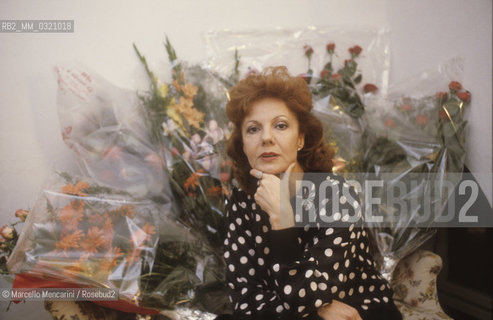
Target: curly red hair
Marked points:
276	82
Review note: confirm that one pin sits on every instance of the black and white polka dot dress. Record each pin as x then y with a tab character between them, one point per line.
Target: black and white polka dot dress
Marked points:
290	273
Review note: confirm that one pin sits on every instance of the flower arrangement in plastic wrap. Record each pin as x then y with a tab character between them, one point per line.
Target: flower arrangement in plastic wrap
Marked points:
188	123
419	143
420	138
146	226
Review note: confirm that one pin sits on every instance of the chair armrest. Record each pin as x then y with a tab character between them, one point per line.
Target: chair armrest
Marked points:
414	280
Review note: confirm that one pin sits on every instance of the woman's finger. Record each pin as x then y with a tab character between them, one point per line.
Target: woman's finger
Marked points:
256	173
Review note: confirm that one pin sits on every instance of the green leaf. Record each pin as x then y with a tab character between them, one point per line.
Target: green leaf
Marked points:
358	78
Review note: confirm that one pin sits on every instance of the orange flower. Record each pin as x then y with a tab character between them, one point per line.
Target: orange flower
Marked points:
188	89
93	241
108	233
214	191
149	230
126	210
110	260
71	214
75	189
193	180
186	108
134	255
69	241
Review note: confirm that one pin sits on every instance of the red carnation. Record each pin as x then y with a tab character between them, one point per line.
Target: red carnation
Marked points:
442	114
370	87
389	123
330	47
422	120
464	96
455	86
324	73
336	77
406	107
355	51
308	50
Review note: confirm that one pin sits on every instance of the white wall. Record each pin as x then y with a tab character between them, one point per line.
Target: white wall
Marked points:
423	33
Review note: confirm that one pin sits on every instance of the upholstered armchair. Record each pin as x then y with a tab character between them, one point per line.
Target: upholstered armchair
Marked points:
415	286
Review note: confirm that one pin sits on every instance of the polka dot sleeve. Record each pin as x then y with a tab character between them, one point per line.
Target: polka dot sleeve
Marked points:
250	293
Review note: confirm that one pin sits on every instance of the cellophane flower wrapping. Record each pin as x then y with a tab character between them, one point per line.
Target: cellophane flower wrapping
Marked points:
187	121
105	128
93	236
258	49
127	189
416	133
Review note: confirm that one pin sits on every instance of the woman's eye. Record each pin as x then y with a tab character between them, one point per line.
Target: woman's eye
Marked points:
252	130
282	125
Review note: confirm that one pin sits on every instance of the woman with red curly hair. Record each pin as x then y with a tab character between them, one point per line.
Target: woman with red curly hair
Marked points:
275	269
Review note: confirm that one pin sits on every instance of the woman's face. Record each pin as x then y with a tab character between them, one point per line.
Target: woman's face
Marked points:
271	136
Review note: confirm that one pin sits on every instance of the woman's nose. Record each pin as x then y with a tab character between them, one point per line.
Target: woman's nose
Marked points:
267	137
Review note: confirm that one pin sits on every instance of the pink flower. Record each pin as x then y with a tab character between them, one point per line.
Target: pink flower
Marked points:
422	120
21	214
7	232
406	107
389	123
455	86
330	47
224	176
464	96
113	153
370	87
308	50
154	159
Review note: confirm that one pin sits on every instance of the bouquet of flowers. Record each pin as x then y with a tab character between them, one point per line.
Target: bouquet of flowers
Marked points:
147	217
418	140
94	236
394	139
188	123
